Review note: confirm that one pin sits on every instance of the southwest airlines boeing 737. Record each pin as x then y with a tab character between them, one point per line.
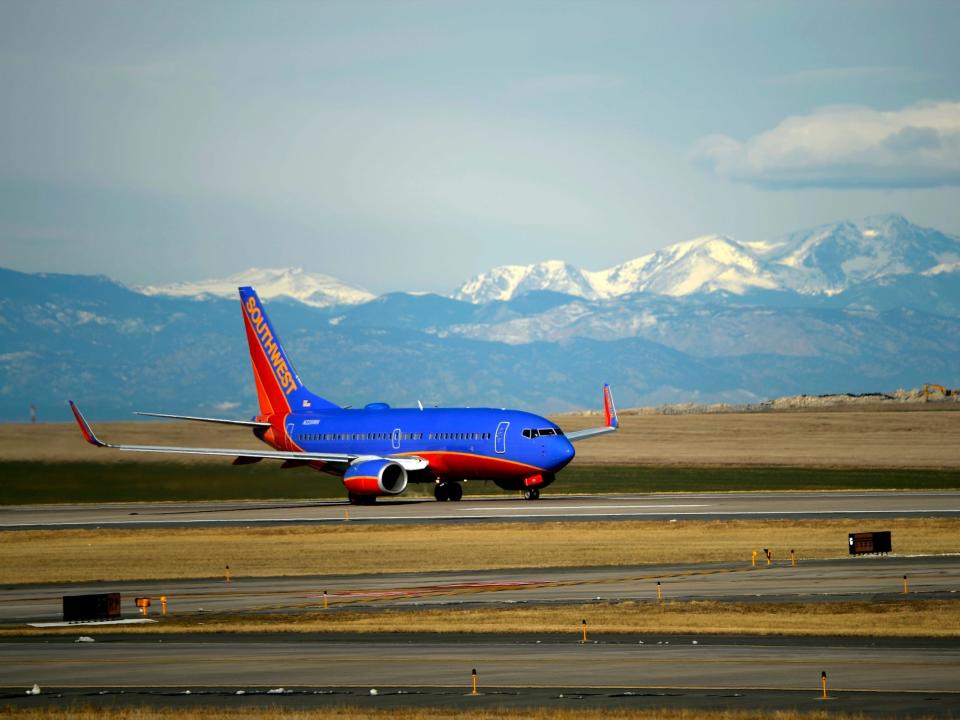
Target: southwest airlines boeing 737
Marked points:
378	450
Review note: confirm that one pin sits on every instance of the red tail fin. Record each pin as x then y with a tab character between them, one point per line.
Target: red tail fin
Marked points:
279	388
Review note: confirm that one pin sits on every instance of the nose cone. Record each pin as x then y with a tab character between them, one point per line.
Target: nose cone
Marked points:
561	453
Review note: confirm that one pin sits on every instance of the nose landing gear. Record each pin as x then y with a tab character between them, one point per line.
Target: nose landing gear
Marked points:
450	490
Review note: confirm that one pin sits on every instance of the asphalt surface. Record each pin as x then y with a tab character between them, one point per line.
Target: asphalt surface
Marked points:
852	578
912	679
902	677
486	509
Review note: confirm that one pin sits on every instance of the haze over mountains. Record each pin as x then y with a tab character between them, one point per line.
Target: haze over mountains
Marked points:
847	307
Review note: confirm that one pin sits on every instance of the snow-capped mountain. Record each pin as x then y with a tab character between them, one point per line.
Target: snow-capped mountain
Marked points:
833	257
822	260
114	350
508	281
314	289
705	264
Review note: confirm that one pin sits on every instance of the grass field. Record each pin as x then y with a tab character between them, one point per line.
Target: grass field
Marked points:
855	449
900	618
854	438
32	556
73	482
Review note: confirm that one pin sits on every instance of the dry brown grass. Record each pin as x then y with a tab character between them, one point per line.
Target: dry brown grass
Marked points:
353	713
854	438
34	556
861	439
902	618
925	618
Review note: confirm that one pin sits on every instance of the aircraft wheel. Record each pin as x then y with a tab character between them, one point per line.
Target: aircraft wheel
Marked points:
455	491
532	494
361	499
441	492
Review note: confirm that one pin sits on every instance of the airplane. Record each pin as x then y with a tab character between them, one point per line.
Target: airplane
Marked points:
378	450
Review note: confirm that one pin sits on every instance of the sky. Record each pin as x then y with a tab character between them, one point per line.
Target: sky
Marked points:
411	145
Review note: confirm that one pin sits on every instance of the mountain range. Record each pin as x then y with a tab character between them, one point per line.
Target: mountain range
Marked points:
314	289
847	307
824	260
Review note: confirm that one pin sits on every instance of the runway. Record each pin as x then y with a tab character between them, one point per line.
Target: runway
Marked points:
916	678
861	578
907	677
550	508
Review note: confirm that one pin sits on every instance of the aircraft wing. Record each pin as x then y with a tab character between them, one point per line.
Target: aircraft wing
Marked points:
610	417
219	421
242	454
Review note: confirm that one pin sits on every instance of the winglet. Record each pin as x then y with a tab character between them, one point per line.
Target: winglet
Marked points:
85	427
609	409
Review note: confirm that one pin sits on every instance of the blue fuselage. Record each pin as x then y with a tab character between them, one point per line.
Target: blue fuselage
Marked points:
458	443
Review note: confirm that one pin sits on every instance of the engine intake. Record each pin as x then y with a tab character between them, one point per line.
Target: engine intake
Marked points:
375	477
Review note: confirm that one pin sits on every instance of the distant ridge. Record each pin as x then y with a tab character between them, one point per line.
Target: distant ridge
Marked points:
314	289
823	260
819	261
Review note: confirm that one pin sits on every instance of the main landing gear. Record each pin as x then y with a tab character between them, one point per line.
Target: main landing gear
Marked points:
448	491
531	494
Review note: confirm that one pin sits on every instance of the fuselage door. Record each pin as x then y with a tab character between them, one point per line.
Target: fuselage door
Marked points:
395	437
500	439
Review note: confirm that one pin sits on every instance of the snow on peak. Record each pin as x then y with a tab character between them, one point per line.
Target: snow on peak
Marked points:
835	256
508	281
313	289
825	259
704	264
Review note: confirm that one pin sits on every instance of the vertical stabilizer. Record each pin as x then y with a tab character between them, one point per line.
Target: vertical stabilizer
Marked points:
279	388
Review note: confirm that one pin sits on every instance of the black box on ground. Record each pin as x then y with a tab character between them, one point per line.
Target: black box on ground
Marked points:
870	542
104	606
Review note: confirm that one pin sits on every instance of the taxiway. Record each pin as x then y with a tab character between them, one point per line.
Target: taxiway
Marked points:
913	678
550	508
856	578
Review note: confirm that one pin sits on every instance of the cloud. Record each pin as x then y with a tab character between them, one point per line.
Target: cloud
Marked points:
845	147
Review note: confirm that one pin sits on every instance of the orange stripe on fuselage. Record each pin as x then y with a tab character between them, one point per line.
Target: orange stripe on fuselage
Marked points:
448	463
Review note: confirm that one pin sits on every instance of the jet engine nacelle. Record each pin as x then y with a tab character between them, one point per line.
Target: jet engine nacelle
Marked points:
371	478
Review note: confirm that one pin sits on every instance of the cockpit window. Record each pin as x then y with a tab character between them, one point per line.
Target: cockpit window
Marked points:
540	432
